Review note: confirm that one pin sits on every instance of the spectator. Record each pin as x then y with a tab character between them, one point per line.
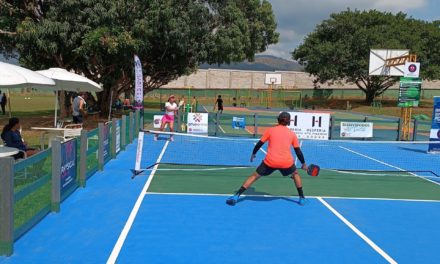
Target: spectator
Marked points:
118	104
219	104
79	108
12	138
3	102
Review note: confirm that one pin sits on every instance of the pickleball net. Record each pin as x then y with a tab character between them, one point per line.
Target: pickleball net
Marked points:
349	160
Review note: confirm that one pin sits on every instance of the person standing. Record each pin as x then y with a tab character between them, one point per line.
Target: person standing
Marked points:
79	108
3	102
219	104
168	118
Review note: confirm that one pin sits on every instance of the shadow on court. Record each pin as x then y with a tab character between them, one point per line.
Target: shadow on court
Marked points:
252	195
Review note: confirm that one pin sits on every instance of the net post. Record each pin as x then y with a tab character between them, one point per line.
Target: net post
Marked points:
365	120
101	146
130	129
416	124
123	131
113	147
332	125
56	176
255	124
7	206
83	159
399	123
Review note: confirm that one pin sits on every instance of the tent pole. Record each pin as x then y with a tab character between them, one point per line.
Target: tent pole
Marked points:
56	109
9	103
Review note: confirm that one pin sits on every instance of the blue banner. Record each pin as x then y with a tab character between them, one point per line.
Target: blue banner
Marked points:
68	165
434	137
106	142
238	122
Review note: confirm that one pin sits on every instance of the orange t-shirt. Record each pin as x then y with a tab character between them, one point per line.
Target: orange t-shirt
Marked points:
279	154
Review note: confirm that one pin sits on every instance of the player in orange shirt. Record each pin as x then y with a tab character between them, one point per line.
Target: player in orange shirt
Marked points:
279	157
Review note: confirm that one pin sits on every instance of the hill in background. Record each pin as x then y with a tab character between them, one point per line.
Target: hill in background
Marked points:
261	63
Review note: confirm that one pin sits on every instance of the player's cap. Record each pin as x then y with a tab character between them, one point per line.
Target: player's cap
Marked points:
171	96
284	119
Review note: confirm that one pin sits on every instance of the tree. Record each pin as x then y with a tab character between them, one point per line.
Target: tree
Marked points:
338	49
99	38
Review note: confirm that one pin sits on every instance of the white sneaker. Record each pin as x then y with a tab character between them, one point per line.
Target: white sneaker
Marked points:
172	139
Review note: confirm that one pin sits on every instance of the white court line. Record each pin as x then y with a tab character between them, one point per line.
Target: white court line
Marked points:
282	196
358	232
389	165
118	246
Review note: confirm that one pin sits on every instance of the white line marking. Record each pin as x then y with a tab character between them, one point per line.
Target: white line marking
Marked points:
386	164
118	246
281	196
358	232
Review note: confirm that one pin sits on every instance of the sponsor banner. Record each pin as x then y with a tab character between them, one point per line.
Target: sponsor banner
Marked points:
412	69
356	130
310	125
238	122
157	121
139	84
409	92
106	142
197	123
118	136
68	165
434	137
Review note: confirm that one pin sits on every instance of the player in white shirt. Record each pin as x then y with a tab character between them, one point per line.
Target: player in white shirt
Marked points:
170	111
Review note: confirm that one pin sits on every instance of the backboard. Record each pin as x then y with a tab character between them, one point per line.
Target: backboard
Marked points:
378	58
273	78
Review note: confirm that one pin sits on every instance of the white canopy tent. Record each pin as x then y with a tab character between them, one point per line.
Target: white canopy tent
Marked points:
69	81
16	77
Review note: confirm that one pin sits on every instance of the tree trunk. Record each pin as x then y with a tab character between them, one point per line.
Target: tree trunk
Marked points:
370	95
104	101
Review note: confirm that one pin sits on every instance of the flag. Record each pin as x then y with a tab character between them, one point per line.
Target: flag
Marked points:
139	84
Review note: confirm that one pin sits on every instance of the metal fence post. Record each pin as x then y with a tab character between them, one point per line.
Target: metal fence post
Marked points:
7	206
113	146
255	124
101	146
130	129
179	122
365	120
56	175
83	159
123	131
136	126
416	124
399	124
217	118
332	125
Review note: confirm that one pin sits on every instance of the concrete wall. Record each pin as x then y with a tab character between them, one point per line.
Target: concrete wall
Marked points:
236	79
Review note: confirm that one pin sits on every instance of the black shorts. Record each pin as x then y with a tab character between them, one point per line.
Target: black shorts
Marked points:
264	170
77	119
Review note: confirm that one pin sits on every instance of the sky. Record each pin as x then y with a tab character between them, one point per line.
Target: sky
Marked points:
296	18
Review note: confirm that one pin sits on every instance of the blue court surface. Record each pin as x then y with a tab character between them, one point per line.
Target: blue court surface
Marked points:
119	220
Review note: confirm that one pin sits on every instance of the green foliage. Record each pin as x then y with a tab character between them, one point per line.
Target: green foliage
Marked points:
338	48
99	38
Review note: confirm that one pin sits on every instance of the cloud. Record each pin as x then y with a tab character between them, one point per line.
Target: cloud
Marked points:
296	18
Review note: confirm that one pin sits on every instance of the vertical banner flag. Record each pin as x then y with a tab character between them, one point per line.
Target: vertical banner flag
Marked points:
68	165
434	137
139	84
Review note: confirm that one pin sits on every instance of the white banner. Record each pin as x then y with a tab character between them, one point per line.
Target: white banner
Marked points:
157	121
412	69
356	130
118	136
310	125
139	84
197	123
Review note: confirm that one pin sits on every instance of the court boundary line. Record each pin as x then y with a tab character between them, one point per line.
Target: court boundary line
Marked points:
358	232
387	164
124	233
291	196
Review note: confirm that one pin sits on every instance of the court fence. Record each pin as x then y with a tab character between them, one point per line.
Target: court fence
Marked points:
32	188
